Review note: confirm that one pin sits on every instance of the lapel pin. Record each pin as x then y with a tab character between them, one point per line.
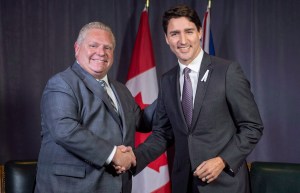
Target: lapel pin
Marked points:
205	76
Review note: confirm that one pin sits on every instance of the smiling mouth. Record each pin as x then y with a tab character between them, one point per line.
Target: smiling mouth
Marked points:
183	48
98	60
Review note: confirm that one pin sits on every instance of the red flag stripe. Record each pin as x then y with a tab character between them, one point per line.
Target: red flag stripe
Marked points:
142	43
204	30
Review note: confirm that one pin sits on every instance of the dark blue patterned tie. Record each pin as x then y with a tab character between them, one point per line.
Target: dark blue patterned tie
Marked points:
104	85
187	97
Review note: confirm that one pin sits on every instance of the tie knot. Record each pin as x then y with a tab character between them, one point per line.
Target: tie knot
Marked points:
103	84
186	71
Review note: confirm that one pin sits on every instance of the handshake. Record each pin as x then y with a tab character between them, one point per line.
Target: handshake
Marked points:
123	159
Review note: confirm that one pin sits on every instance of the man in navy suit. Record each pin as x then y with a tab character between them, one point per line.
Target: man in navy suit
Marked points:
86	118
205	107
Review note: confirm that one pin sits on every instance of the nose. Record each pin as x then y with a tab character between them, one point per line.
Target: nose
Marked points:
100	51
182	39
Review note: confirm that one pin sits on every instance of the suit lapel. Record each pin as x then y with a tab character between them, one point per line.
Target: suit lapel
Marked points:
92	84
175	88
121	100
201	87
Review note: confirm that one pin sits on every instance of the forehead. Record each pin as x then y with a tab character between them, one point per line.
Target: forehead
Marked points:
181	23
98	35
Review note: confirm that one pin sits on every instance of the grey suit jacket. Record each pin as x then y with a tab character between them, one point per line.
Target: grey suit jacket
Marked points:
79	131
225	123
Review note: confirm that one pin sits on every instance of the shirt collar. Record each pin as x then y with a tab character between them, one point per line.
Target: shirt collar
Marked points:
194	65
105	79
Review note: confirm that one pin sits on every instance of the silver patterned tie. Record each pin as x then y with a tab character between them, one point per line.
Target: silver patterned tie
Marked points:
187	97
104	85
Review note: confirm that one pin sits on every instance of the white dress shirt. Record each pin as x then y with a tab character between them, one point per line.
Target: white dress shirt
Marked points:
110	92
194	74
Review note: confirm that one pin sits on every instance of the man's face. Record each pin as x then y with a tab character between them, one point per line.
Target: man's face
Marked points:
96	52
184	39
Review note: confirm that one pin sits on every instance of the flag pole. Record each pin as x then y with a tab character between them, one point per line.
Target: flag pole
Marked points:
147	5
209	4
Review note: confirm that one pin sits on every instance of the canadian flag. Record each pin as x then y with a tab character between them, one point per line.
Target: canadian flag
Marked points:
142	83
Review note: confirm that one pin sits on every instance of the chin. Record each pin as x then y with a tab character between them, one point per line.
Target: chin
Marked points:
185	59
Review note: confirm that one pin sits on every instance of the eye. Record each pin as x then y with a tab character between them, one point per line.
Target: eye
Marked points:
172	34
92	45
108	48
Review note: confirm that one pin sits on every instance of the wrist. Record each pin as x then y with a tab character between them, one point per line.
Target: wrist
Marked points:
224	162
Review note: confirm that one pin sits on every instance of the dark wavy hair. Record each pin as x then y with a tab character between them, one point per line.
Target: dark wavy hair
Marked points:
180	11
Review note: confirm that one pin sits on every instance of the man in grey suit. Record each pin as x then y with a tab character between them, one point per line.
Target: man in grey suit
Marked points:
206	108
86	118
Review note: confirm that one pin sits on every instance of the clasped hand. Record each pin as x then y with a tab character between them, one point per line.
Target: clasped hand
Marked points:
123	159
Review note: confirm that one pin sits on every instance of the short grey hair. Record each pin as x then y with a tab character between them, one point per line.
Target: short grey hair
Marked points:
95	25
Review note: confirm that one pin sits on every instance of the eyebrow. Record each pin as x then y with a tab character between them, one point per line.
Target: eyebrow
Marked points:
187	29
190	29
175	31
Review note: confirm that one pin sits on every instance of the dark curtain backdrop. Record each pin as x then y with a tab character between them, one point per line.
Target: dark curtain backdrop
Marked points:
37	38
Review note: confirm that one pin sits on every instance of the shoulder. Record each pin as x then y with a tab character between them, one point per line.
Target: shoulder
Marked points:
173	71
226	66
64	81
60	77
170	74
219	62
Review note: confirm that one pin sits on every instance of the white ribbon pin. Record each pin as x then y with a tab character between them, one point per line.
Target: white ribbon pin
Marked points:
205	76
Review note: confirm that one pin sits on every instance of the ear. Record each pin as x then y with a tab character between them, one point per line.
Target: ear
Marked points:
200	33
76	48
166	38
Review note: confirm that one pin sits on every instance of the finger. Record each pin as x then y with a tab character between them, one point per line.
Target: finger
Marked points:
200	170
133	163
117	167
206	179
201	166
132	155
129	148
125	149
122	148
120	171
210	180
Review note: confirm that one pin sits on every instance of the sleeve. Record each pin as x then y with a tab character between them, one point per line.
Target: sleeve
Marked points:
245	115
148	115
61	117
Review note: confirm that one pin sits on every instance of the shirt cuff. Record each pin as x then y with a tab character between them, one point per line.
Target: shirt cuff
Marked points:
111	156
228	169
